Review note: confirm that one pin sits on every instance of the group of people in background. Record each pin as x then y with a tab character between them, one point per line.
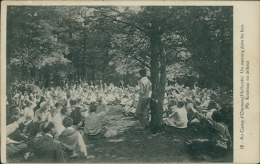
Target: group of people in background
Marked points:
56	123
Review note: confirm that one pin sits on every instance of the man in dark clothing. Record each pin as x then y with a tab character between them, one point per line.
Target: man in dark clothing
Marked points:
76	115
45	148
34	129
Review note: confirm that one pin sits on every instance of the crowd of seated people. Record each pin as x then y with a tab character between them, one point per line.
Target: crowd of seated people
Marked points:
58	117
68	118
198	108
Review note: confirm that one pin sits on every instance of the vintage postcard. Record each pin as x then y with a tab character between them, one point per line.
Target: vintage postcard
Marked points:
129	82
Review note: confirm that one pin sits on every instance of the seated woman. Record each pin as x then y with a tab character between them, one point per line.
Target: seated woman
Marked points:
219	139
70	138
178	117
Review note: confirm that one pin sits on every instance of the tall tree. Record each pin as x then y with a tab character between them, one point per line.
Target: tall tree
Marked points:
156	36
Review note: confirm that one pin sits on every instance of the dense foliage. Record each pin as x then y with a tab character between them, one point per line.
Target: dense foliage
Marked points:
88	43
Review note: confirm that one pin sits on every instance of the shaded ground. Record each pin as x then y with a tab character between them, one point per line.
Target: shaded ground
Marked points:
126	144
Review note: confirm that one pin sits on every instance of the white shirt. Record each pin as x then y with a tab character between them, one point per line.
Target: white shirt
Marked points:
178	118
145	88
80	143
58	127
11	128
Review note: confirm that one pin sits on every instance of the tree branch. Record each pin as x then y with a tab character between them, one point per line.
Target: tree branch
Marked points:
127	23
135	57
141	61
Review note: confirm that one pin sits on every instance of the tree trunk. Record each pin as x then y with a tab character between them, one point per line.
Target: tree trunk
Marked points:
161	91
155	107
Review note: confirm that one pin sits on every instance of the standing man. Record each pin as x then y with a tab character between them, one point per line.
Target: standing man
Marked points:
145	93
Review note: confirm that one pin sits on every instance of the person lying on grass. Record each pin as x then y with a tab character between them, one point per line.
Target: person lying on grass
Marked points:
219	140
93	128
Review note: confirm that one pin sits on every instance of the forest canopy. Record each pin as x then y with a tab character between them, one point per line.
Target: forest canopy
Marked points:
51	45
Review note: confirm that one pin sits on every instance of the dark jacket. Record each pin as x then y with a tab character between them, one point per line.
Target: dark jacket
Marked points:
47	150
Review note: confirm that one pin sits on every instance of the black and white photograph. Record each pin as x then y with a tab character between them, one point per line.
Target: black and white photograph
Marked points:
119	84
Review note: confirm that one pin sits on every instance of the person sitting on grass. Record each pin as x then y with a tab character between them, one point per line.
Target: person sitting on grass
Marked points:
42	116
77	116
178	118
38	106
172	105
202	126
57	120
208	103
70	138
130	106
189	106
12	116
13	147
28	113
219	139
93	128
45	148
57	108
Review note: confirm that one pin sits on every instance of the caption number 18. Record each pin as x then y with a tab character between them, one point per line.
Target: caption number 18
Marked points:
241	146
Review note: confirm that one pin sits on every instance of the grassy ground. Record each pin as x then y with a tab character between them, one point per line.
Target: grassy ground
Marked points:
127	144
